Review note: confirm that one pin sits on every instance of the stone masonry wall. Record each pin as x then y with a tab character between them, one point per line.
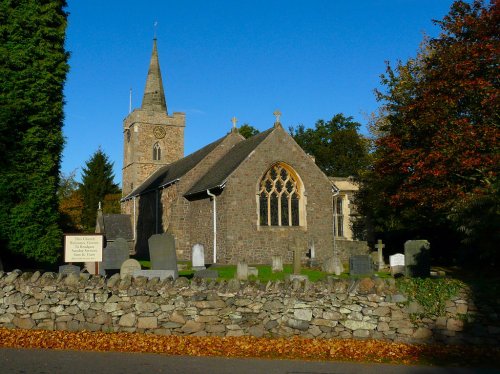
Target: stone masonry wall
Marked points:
367	308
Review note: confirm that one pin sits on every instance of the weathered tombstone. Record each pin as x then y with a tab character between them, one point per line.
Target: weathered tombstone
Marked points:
333	265
380	260
253	271
198	257
206	274
417	258
114	255
242	271
360	265
69	269
397	263
129	266
163	257
277	264
162	252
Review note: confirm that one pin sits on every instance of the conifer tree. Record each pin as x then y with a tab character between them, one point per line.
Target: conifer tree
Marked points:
97	182
33	68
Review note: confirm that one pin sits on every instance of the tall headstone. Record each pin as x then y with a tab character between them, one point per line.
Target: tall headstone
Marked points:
380	246
114	255
198	257
397	263
162	252
360	265
242	271
277	265
417	258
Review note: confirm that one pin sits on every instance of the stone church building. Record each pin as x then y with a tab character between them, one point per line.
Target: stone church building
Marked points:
243	199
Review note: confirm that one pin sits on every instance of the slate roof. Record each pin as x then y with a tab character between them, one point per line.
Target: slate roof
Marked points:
218	174
118	226
170	173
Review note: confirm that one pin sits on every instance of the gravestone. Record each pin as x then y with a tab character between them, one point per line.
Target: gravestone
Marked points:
397	263
360	265
253	271
333	265
69	269
198	257
417	258
380	258
162	274
277	264
129	266
114	255
242	271
163	257
206	274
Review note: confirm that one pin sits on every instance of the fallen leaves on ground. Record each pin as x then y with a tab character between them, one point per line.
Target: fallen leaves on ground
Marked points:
247	346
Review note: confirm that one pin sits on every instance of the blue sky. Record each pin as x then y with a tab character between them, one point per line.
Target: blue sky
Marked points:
219	59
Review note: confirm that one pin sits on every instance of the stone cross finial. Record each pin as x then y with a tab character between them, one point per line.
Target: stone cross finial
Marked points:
155	27
234	120
277	113
99	206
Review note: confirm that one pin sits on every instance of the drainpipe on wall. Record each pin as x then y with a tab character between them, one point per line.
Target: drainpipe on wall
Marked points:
134	228
215	224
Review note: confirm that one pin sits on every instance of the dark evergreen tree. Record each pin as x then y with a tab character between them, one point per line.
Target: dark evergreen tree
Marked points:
33	68
339	149
247	130
97	182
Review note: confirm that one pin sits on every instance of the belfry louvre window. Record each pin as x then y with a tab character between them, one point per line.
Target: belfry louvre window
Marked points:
156	152
279	197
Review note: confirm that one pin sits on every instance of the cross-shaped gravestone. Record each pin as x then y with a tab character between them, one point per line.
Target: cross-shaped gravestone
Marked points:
277	113
380	246
234	120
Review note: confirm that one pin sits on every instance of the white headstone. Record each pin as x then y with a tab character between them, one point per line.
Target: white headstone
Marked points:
198	257
397	259
129	266
242	271
277	264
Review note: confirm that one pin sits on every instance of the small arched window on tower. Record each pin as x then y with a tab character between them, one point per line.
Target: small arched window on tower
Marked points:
156	152
280	192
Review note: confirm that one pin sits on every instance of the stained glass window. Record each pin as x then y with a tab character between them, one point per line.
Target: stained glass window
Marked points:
279	197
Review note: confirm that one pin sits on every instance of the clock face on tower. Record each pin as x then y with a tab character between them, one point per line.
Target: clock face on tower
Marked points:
159	132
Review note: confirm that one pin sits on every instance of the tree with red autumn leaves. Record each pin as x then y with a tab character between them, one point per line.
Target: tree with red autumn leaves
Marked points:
436	153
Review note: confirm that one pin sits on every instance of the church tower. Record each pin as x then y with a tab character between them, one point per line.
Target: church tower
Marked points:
151	137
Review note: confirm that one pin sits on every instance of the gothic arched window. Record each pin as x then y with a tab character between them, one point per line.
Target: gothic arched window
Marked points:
156	152
280	197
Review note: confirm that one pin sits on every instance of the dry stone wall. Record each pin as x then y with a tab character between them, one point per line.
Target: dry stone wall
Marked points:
367	308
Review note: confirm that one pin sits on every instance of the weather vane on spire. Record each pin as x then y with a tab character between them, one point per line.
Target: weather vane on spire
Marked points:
234	120
155	27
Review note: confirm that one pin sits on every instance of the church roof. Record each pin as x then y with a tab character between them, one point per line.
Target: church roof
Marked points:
169	174
218	174
154	95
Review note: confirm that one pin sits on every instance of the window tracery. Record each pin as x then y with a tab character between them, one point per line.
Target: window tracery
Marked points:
279	197
156	152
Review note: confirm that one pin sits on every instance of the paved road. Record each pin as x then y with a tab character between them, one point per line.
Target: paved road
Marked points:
40	361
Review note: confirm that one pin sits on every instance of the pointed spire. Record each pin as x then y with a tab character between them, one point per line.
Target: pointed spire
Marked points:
154	96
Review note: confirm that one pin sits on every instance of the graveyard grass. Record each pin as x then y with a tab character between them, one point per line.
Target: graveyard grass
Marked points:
227	272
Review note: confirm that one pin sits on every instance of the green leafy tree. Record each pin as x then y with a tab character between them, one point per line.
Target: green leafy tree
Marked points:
437	152
338	147
97	182
247	130
33	68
